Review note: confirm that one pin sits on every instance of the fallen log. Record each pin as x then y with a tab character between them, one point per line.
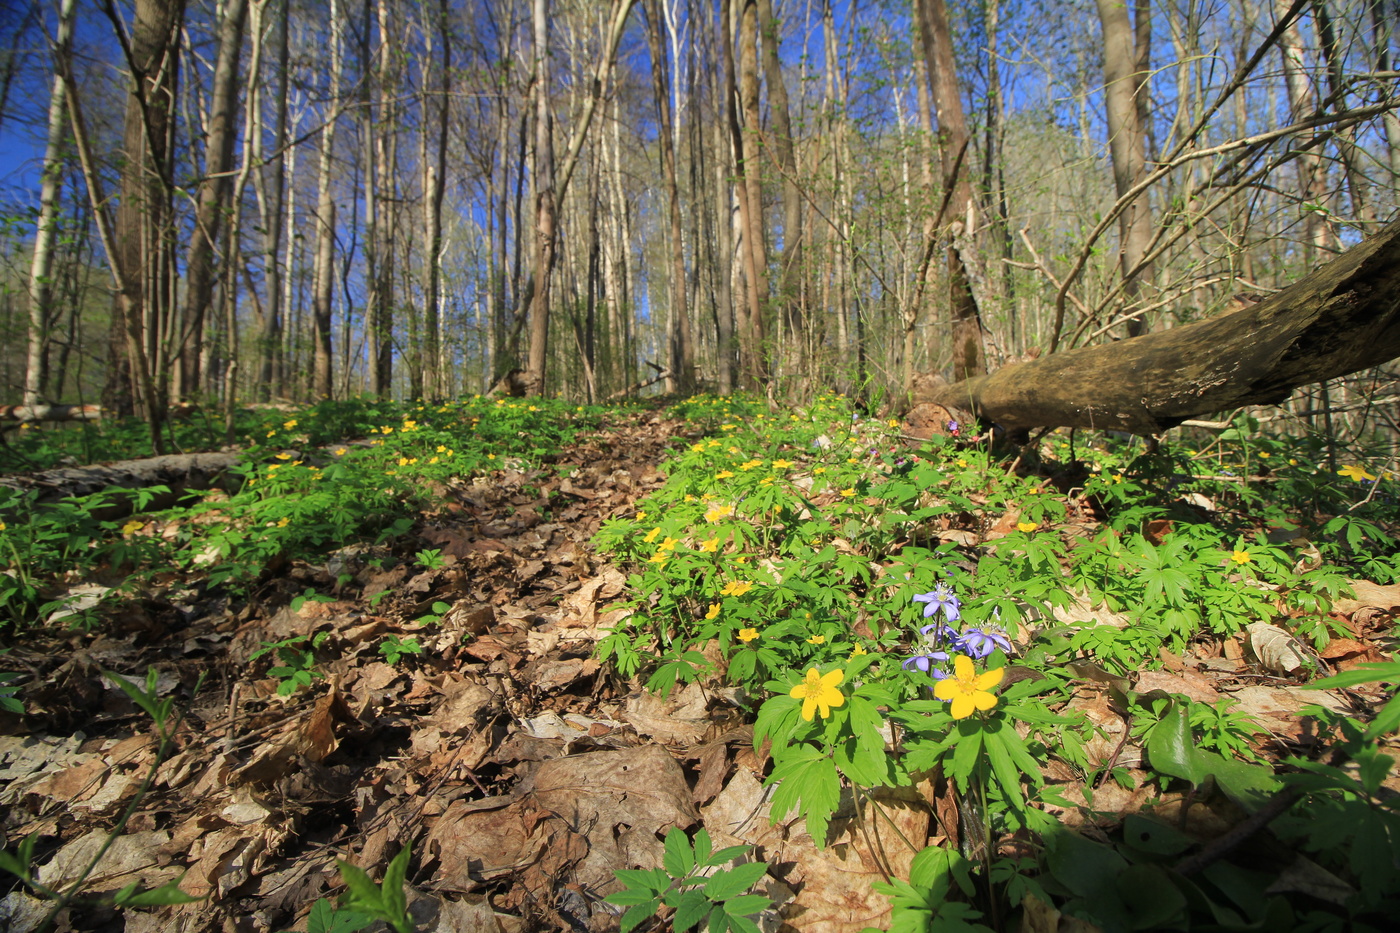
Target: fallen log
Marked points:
29	413
181	473
1340	318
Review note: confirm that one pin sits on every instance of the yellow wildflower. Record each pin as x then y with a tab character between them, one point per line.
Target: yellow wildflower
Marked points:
751	464
284	456
819	471
967	689
283	522
641	516
710	546
132	527
724	474
651	535
747	635
289	424
713	613
736	588
441	448
848	493
667	545
1353	471
1242	557
1026	527
857	651
818	692
781	464
660	557
817	640
719	512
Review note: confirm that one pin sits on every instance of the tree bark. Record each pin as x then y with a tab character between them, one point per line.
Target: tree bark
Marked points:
46	228
959	207
213	197
682	346
1343	317
1125	77
323	276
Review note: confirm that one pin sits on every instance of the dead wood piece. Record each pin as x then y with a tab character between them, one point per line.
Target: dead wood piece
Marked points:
1341	318
180	472
30	413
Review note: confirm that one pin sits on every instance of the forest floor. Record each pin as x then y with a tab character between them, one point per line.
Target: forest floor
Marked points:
519	770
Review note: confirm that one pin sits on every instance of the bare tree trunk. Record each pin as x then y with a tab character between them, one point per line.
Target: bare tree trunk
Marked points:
547	195
953	144
743	104
213	198
680	338
144	233
792	296
323	278
46	227
1312	174
272	187
384	177
545	206
1125	91
1381	27
434	187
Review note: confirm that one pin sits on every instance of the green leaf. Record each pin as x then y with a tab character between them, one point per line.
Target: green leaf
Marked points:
966	752
1170	748
727	854
693	907
1150	896
810	784
726	884
165	895
1378	672
702	846
747	904
326	919
639	913
363	893
679	858
629	896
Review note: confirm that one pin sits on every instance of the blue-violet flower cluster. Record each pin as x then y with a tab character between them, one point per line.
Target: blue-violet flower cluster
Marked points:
943	641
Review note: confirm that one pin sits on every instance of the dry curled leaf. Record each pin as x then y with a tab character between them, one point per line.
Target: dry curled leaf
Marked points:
1275	648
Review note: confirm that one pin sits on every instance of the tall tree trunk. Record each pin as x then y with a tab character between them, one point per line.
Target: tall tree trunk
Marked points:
792	296
46	228
1125	76
1318	237
953	140
323	278
383	178
434	187
545	206
272	187
144	237
213	197
680	339
743	105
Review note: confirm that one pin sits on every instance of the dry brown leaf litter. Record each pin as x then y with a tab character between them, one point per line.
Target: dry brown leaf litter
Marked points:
520	772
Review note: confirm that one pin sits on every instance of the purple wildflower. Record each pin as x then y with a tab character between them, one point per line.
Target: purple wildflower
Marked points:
953	428
940	597
977	643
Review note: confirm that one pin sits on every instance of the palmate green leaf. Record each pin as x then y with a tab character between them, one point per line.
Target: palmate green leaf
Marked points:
1382	672
811	785
653	880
